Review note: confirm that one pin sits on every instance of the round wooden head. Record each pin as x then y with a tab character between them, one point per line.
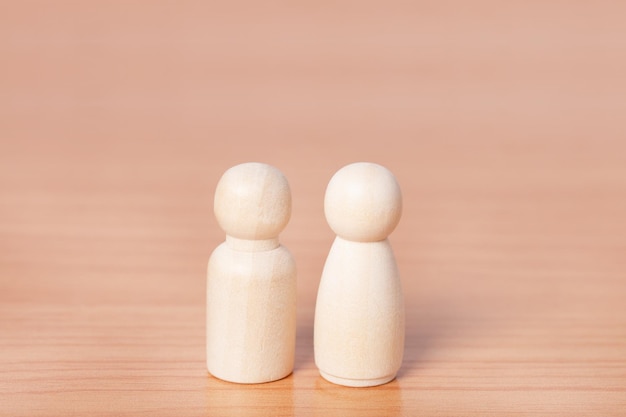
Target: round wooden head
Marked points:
252	201
363	202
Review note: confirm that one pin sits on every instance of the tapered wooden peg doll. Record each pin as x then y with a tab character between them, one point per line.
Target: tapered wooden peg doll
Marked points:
359	315
251	280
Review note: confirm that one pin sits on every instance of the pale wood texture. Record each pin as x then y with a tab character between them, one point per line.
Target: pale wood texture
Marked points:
503	122
251	279
359	326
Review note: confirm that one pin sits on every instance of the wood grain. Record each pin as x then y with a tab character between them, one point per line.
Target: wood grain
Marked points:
503	122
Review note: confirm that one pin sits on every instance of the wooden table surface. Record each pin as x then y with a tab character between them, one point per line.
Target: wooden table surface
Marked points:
505	123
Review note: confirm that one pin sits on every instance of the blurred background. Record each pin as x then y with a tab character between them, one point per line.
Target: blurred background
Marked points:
504	122
117	119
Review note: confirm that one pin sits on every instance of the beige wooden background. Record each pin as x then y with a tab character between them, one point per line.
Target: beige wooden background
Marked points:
505	123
